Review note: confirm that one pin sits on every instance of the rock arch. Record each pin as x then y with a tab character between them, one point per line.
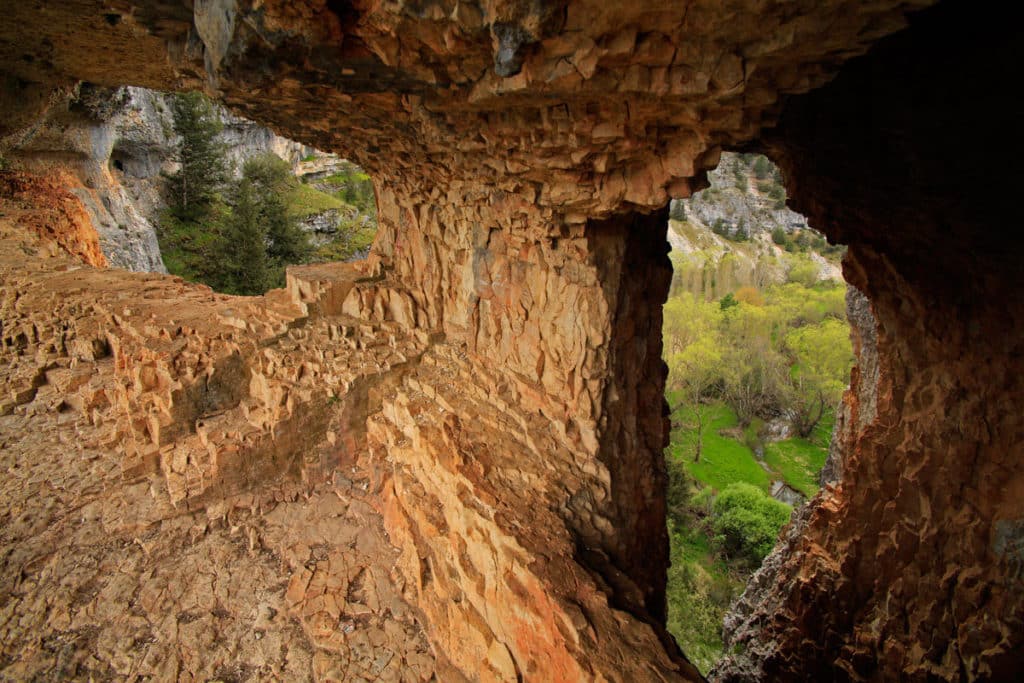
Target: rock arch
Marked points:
522	238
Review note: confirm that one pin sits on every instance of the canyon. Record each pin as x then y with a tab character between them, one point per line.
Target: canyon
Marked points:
445	460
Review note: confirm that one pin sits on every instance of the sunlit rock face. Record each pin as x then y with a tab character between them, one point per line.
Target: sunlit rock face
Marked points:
512	417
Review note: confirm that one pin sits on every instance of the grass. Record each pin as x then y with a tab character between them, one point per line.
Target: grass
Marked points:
798	461
305	200
700	590
701	586
350	241
723	460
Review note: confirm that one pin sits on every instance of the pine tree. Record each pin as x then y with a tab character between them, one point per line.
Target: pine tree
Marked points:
287	243
244	244
204	168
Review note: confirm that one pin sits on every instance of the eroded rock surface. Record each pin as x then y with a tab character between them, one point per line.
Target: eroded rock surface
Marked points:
508	404
148	528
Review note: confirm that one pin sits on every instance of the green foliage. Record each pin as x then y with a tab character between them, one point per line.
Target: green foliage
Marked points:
762	167
803	270
746	522
191	250
700	586
677	210
305	200
353	186
728	301
699	592
244	261
679	491
779	236
352	239
273	183
741	233
822	356
798	460
243	242
203	166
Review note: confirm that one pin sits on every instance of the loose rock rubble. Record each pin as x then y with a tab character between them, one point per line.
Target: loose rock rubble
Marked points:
194	559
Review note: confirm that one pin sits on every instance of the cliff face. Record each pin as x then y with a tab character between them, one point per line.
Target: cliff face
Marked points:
111	146
102	142
723	238
509	415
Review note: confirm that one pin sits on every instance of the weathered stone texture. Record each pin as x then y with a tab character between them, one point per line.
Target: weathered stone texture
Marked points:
908	568
494	364
180	501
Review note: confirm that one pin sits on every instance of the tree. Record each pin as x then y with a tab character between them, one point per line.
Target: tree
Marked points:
203	166
693	372
749	295
244	246
260	237
694	358
747	521
756	367
822	355
272	180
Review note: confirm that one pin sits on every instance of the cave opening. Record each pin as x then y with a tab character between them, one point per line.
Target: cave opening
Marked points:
240	205
758	348
910	568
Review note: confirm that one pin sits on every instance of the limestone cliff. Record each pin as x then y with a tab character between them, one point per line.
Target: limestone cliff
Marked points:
113	147
508	408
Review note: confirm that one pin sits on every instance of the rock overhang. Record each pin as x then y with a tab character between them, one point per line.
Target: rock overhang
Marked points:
627	103
513	243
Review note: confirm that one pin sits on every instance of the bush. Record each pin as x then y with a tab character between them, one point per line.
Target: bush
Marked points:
741	234
779	236
746	522
677	210
762	167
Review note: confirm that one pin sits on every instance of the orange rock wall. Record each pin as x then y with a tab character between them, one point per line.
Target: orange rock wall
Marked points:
495	363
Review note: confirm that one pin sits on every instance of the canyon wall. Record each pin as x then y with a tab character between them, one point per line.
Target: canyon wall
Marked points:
909	565
511	420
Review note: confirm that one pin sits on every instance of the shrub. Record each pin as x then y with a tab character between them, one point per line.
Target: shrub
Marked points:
677	210
762	167
746	522
779	236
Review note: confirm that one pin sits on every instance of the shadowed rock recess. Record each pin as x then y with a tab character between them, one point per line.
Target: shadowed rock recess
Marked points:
486	387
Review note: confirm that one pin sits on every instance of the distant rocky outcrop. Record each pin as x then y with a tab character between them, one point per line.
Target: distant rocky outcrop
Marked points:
726	237
746	196
118	144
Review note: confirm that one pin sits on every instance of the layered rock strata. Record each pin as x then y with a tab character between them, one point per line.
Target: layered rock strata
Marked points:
181	501
522	153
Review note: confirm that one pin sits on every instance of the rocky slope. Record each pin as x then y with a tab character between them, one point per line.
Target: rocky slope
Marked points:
525	155
723	238
114	147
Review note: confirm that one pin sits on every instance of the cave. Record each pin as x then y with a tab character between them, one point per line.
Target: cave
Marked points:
509	402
